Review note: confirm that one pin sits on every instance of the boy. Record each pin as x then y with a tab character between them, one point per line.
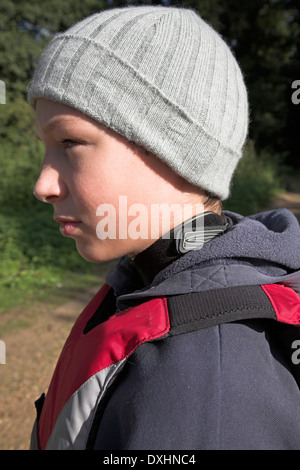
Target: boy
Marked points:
137	108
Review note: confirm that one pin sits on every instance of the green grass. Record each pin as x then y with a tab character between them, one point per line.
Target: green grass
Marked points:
41	283
23	308
35	260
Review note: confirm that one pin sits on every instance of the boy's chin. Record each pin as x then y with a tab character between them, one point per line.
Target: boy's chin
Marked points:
102	251
98	257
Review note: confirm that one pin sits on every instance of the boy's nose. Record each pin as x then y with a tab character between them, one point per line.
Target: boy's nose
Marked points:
49	187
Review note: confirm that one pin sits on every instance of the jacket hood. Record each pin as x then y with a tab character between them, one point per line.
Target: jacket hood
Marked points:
259	249
265	239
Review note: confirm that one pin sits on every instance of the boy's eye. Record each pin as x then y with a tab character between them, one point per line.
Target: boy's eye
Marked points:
68	143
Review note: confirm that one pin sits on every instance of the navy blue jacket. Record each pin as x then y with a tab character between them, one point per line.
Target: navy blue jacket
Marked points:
224	387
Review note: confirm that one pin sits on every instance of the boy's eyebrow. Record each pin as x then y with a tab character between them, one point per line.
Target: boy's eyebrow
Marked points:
53	124
49	127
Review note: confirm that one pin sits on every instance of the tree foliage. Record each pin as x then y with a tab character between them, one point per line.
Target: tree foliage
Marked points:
25	28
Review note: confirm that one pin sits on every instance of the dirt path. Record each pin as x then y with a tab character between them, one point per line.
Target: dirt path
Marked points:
31	352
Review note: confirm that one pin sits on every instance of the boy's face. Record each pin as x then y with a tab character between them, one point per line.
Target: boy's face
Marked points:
85	167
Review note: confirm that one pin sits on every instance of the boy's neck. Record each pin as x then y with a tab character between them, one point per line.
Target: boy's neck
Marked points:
164	251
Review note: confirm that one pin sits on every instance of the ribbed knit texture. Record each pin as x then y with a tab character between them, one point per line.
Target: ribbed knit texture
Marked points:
159	76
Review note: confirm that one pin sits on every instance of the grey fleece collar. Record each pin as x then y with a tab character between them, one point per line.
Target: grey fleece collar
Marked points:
260	249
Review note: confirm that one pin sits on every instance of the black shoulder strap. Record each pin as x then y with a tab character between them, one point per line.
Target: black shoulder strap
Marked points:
199	310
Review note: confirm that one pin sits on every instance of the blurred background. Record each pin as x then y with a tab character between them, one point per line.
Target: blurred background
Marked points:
43	281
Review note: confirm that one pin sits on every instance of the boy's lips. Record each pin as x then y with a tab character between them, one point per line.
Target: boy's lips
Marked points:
68	226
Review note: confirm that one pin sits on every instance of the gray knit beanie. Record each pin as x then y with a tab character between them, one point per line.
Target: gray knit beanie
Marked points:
159	76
